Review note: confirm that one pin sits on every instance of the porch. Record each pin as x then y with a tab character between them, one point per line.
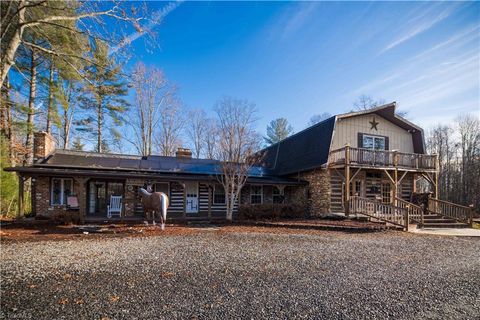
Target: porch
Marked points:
87	198
381	175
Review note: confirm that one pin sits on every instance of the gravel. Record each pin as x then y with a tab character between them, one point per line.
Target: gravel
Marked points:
223	275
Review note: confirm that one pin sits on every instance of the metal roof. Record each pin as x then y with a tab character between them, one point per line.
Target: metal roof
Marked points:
68	162
302	151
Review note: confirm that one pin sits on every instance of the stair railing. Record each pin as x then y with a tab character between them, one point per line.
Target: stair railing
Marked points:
451	210
415	212
384	212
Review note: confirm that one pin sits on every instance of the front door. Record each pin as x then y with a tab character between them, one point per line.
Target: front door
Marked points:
191	204
97	198
99	193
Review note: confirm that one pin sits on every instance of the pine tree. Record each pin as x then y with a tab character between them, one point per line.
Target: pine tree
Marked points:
278	130
103	99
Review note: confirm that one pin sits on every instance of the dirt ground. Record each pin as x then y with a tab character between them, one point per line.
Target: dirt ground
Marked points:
45	231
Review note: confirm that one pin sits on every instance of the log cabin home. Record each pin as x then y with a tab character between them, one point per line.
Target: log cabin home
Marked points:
349	162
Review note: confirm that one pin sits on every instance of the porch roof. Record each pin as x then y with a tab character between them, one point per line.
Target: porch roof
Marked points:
102	166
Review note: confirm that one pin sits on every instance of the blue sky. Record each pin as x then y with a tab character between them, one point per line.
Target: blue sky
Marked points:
298	59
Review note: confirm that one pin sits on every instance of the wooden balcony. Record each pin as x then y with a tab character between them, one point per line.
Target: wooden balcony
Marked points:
367	158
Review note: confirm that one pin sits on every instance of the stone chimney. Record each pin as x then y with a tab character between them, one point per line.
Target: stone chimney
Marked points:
184	153
43	145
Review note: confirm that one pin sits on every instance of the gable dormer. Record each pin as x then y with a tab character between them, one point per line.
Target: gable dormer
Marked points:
378	128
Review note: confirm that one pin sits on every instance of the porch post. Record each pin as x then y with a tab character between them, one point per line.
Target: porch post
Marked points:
414	186
347	179
21	203
209	186
437	166
82	198
395	178
184	215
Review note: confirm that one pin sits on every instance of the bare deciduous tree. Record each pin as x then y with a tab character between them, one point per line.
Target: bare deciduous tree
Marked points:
458	150
151	92
211	138
196	129
316	118
172	121
237	142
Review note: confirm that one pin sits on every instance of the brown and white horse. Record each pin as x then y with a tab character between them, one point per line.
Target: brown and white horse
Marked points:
155	204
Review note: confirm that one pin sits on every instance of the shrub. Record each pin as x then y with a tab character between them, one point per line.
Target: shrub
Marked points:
271	211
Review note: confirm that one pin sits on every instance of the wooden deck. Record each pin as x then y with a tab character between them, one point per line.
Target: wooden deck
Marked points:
381	159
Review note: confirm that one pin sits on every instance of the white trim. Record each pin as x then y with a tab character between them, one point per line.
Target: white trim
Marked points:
256	194
62	191
197	197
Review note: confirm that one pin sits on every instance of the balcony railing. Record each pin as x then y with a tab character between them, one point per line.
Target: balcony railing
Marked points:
380	158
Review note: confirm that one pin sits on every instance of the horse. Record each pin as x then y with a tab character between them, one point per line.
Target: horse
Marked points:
155	203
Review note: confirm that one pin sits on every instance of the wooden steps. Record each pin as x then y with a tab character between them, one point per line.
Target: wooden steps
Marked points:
439	221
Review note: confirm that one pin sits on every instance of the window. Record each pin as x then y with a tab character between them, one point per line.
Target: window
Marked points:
256	194
61	188
278	196
161	187
219	194
373	142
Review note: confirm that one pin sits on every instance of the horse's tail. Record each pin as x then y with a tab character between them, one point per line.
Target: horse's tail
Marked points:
164	206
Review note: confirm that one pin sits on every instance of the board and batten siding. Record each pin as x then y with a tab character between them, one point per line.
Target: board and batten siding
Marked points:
347	129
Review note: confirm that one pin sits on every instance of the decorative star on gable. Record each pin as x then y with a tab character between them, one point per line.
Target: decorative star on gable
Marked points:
374	124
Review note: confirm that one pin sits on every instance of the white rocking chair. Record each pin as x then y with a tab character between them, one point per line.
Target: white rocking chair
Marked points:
115	206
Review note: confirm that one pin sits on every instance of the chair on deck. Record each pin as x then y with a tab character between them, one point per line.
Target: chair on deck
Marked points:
115	206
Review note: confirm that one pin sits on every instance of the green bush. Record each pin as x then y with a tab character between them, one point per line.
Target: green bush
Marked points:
8	183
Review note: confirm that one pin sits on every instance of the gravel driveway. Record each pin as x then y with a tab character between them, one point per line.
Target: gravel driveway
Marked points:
237	274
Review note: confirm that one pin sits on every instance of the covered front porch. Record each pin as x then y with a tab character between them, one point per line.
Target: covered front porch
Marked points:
88	197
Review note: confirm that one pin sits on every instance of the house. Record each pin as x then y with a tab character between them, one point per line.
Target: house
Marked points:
93	178
373	154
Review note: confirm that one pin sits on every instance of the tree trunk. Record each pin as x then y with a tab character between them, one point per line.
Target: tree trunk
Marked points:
6	119
31	108
66	129
8	59
50	99
99	128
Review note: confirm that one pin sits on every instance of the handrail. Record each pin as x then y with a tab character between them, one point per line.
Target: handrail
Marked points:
380	211
382	158
415	211
451	210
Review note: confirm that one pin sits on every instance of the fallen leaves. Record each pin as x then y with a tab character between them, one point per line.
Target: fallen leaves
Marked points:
166	274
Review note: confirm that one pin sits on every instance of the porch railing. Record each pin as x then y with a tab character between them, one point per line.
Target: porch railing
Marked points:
381	158
414	212
451	210
385	212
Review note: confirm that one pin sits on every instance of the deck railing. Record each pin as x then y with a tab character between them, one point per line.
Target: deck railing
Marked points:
415	212
451	210
381	158
380	211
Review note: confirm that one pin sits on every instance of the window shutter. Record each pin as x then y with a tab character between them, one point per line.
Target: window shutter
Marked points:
387	147
360	140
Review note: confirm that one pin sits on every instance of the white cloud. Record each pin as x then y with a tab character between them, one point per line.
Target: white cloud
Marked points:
426	21
301	15
157	17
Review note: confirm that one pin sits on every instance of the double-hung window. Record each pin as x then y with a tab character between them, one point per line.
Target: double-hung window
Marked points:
219	194
373	142
256	194
60	189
